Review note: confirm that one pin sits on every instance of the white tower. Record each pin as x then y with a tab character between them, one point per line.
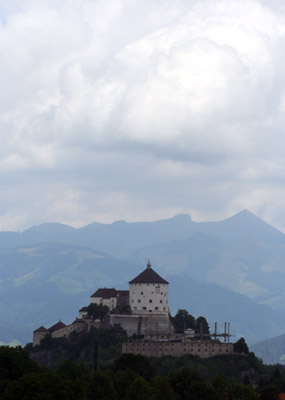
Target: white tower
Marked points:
149	293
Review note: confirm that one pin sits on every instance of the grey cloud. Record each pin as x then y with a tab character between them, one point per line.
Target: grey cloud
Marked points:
136	110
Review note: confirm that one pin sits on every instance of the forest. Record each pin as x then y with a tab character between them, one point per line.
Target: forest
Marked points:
90	367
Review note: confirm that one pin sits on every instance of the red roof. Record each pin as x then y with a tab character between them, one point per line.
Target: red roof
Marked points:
41	329
57	326
282	396
148	276
105	293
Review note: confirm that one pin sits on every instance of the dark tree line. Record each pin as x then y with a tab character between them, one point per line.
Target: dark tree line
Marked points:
135	377
183	320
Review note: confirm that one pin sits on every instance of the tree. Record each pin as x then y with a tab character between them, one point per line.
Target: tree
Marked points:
202	325
181	379
161	388
122	382
97	311
137	363
45	385
182	321
243	392
220	386
139	390
15	362
241	347
269	392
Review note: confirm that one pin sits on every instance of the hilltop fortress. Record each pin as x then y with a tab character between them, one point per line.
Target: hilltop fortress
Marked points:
142	310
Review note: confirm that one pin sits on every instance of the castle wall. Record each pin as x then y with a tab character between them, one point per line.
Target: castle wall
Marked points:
153	324
111	302
158	349
38	336
149	297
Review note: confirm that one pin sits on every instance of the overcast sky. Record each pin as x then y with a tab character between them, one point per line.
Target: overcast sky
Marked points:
140	110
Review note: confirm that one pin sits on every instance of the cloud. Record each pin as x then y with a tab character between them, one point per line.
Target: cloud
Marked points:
137	110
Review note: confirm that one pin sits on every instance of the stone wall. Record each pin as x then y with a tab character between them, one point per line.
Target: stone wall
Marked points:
158	349
154	324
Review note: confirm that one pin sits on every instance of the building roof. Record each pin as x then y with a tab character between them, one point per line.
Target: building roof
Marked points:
79	321
41	329
57	326
122	293
105	293
84	309
148	276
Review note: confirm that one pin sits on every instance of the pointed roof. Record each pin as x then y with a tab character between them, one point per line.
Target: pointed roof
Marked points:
41	329
105	293
148	276
57	326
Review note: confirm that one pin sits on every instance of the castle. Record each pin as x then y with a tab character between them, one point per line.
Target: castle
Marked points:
147	299
142	310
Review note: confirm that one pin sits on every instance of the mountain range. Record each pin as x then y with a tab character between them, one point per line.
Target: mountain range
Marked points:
230	270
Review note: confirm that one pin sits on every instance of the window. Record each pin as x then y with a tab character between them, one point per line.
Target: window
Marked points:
156	308
141	293
160	301
132	300
135	308
139	300
150	301
144	308
164	308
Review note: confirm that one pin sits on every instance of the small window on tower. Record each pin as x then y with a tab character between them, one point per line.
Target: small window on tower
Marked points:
150	301
141	293
156	308
139	301
160	301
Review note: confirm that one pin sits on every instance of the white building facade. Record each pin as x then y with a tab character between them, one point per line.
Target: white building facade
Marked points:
148	293
106	297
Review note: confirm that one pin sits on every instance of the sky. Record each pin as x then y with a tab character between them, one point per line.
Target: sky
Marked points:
140	110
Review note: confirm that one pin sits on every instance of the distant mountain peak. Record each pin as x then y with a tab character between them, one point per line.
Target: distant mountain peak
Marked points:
50	227
180	217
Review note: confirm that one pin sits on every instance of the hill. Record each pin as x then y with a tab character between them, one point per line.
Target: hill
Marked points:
272	351
226	270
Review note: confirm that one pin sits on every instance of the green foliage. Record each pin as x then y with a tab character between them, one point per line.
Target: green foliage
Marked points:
241	347
135	377
242	392
100	346
162	389
202	326
39	386
102	387
182	321
137	363
15	362
122	381
139	390
97	311
269	392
